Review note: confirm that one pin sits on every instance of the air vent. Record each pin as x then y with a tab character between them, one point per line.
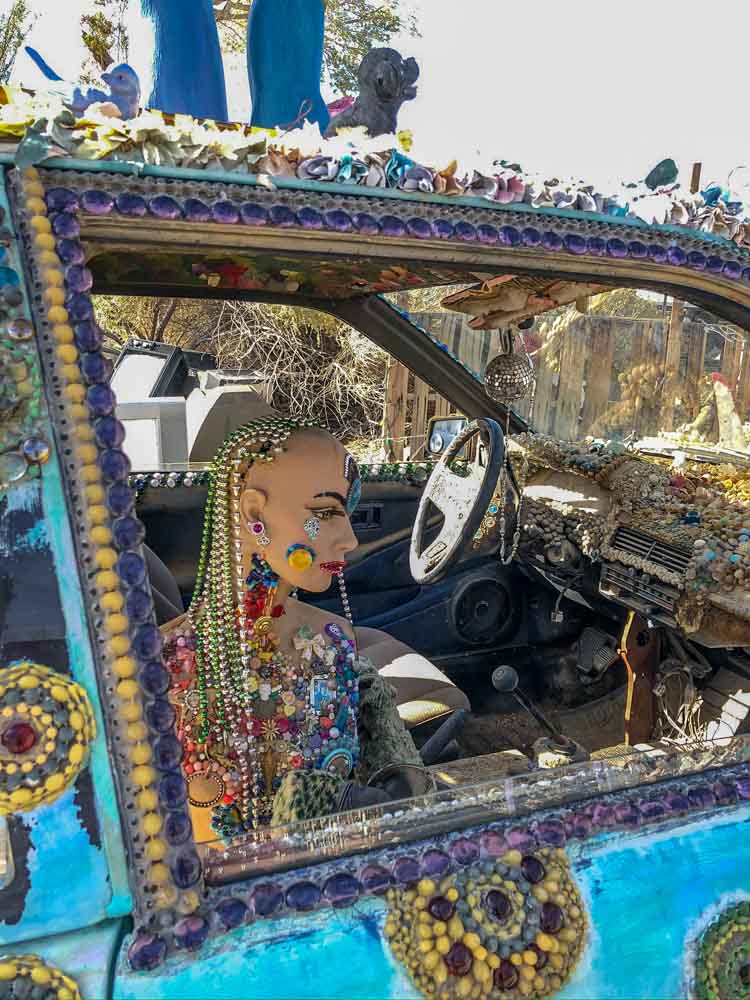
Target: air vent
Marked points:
638	543
622	583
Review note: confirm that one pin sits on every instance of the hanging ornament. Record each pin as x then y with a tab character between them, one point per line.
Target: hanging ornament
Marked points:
510	375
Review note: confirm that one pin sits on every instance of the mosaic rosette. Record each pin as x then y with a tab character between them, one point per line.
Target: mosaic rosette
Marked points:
722	963
512	927
30	976
46	728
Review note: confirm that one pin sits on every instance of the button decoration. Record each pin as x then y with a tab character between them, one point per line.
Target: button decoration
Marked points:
46	728
32	977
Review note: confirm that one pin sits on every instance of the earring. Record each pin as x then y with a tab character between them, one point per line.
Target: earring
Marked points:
312	528
300	557
258	529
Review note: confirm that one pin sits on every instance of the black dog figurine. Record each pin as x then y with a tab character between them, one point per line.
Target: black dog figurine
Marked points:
386	81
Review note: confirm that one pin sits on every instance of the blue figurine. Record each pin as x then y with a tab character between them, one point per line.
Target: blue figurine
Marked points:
188	72
285	62
124	88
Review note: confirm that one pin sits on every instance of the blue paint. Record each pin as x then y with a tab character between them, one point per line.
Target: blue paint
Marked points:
188	73
285	62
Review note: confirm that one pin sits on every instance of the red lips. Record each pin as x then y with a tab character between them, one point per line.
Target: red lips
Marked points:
332	567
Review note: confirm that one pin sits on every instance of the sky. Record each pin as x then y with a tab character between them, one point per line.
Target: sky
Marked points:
594	90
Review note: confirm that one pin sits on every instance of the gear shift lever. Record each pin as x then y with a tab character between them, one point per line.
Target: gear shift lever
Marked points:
505	680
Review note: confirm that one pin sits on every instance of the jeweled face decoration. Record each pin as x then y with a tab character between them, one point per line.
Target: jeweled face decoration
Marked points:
351	474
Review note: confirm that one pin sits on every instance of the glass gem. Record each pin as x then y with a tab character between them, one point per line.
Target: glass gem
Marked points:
731	269
101	400
531	237
173	790
154	678
459	960
97	202
147	952
88	336
435	863
177	827
80	307
147	642
190	933
131	204
422	230
464	851
637	249
339	221
19	330
441	908
267	899
19	737
186	869
115	465
61	200
196	210
465	231
617	247
341	889
94	367
65	225
575	243
303	896
406	869
310	218
164	207
551	832
131	569
676	256
551	918
505	977
488	234
376	880
696	260
167	752
392	226
232	913
282	216
443	229
225	212
597	246
551	241
366	223
71	251
714	264
253	215
128	532
498	904
509	236
161	716
36	450
532	869
110	432
78	279
138	606
12	467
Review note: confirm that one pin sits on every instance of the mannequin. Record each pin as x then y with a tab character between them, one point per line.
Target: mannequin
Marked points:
279	716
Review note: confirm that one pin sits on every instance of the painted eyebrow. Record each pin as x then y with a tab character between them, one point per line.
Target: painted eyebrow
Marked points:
334	496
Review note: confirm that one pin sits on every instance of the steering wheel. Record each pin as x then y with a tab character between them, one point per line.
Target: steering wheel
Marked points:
462	500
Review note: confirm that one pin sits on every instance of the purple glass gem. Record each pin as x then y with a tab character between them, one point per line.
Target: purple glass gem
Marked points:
696	260
282	216
190	933
441	908
61	200
138	606
366	223
551	241
94	367
334	631
376	880
232	913
657	253
745	274
602	815
597	246
187	869
88	336
742	786
147	642
119	499
652	809
498	904
532	869
464	851
163	206
310	218
267	899
492	843
160	716
422	230
487	234
616	247
531	237
637	249
109	431
551	832
575	244
392	226
676	256
177	828
435	863
154	678
627	814
465	232
71	251
701	797
443	229
97	202
459	960
578	825
341	889
115	465
509	236
725	792
339	221
253	215
78	279
131	568
406	869
676	802
65	225
731	269
131	204
302	896
79	307
173	790
147	952
128	532
551	918
520	839
167	749
196	210
714	264
225	212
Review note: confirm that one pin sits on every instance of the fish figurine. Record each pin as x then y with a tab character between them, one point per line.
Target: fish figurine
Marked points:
285	63
124	88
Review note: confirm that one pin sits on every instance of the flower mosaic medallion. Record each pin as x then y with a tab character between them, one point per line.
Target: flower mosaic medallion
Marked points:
510	927
722	961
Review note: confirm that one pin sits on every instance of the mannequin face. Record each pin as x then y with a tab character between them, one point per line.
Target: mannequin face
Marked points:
305	481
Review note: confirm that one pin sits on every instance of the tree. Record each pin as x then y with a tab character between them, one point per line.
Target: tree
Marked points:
14	27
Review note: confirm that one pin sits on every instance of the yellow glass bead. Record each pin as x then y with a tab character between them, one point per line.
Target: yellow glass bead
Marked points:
143	775
100	535
28	682
482	972
119	645
439	928
116	623
84	432
76	720
159	874
21	797
57	314
54	783
165	897
544	941
516	958
452	895
440	973
40	224
151	824
425	946
136	732
75	391
67	354
65	994
480	953
30	175
426	887
63	333
455	928
35	205
530	957
147	799
300	560
8	971
141	754
95	493
58	692
124	666
76	753
53	276
472	940
27	766
105	558
127	689
464	987
107	580
131	711
87	452
70	373
98	513
156	850
189	902
90	474
78	413
41	975
44	241
443	945
512	858
431	959
493	961
54	296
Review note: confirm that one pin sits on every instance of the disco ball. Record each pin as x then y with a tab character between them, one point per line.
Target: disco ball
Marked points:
508	377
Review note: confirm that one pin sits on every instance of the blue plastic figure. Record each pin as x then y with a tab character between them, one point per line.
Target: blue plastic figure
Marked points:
124	88
188	73
285	61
